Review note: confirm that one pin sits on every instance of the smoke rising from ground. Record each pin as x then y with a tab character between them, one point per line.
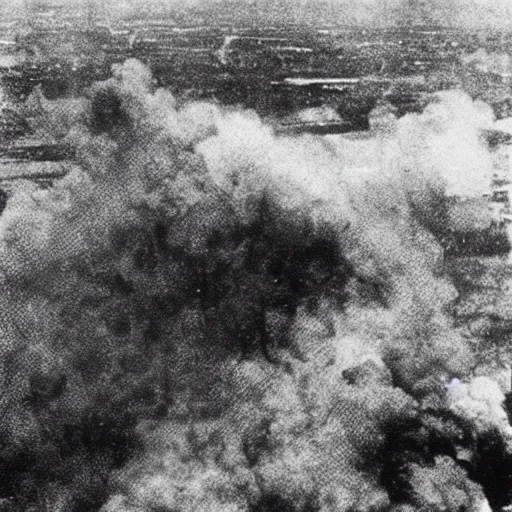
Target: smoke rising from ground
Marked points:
203	315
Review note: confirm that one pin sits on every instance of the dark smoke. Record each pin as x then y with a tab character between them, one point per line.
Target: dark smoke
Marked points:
204	316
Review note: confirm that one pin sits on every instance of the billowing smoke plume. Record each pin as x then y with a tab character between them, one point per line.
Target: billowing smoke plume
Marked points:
203	315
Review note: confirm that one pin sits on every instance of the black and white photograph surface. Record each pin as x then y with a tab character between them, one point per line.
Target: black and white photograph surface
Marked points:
256	256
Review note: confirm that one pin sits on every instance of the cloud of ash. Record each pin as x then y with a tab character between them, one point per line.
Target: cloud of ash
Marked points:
203	315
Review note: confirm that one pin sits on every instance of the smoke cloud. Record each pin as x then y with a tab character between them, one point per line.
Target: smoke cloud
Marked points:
204	315
488	62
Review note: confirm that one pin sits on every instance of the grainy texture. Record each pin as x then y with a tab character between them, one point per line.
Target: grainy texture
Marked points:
204	309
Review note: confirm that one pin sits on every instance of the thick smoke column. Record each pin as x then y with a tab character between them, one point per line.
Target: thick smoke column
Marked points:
205	316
